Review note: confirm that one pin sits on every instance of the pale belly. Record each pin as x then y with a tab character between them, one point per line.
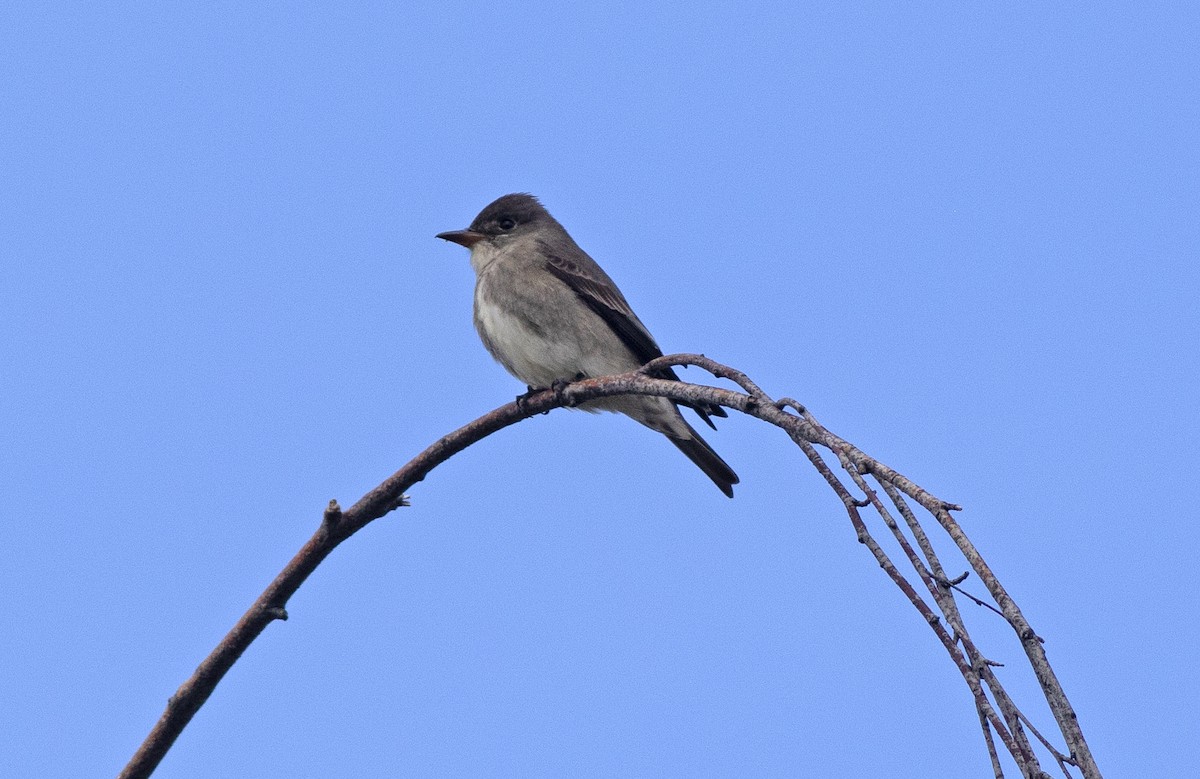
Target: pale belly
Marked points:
571	343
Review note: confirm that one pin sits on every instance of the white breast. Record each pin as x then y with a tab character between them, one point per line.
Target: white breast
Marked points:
535	358
570	340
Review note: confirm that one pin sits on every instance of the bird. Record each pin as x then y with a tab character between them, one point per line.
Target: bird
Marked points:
549	314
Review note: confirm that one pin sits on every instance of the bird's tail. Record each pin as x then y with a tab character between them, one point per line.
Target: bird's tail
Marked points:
663	416
699	452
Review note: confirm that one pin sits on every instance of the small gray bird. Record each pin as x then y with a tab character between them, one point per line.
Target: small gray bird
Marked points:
547	312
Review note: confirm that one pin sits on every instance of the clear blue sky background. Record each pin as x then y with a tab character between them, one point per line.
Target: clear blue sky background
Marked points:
966	237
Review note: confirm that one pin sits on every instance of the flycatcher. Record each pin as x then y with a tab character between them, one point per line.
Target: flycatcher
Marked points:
547	312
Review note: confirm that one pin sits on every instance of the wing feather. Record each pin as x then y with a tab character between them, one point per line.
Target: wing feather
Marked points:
599	293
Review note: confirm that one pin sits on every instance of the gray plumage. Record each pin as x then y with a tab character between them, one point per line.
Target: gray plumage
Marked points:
547	312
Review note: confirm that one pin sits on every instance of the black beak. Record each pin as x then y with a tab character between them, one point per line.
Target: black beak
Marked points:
467	238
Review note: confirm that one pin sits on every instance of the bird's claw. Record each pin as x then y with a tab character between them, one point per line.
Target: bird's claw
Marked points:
560	387
525	396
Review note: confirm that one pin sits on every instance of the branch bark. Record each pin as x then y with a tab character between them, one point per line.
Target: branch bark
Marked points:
1007	723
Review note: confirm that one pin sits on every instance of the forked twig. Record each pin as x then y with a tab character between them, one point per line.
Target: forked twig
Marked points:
1008	723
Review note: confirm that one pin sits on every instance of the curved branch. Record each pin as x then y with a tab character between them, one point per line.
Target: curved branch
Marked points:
337	525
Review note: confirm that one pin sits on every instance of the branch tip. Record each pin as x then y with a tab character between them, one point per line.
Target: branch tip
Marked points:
333	515
1028	634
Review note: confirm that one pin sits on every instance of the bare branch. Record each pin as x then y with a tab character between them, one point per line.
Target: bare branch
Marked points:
800	425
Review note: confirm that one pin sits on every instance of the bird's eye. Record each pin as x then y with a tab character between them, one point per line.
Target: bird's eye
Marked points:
507	224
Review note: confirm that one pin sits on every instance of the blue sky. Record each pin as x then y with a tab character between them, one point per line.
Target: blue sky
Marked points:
965	237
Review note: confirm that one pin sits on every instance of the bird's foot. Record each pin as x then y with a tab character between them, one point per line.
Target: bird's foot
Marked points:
524	397
560	386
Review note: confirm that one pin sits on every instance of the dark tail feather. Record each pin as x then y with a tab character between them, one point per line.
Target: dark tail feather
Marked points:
709	411
699	452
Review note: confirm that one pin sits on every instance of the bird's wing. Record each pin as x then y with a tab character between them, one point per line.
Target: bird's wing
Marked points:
596	290
606	300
